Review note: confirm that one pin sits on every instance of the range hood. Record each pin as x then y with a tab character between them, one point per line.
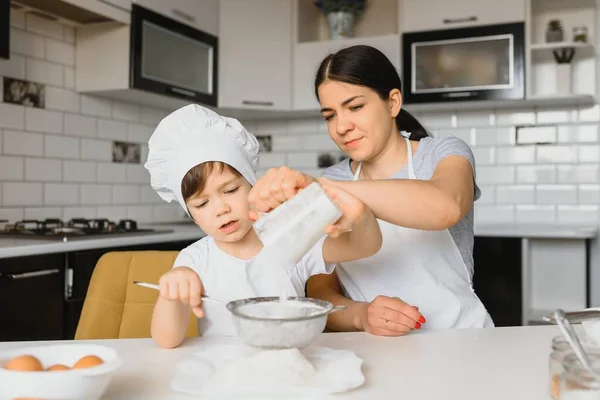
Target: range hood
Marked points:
74	12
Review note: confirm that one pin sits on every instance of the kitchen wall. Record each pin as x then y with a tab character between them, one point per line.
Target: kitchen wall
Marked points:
82	156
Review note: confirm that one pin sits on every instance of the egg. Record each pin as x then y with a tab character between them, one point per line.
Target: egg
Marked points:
24	363
88	362
58	367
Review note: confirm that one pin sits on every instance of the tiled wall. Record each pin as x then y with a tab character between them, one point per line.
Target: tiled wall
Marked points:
533	166
57	161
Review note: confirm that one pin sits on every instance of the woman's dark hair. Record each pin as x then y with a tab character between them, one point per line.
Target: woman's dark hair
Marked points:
366	66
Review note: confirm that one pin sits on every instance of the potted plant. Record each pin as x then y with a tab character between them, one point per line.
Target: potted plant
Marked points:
341	15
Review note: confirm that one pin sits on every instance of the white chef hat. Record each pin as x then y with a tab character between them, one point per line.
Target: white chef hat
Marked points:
193	135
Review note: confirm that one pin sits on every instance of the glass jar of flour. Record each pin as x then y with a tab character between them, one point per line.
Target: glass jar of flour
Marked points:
576	382
560	348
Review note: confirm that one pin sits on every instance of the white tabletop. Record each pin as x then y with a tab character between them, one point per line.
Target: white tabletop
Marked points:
497	363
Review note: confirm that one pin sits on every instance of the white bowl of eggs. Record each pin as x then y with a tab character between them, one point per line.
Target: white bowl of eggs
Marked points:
61	371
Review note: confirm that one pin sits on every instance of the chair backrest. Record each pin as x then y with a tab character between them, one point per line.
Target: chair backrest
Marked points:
116	308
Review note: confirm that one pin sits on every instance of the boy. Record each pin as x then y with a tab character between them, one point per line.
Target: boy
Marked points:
207	163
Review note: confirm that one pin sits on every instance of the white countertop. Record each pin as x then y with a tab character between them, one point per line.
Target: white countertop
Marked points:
16	247
490	364
186	231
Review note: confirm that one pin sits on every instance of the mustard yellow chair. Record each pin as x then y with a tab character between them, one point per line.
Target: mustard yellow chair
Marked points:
114	307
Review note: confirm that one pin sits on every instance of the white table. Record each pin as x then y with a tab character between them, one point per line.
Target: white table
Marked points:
498	363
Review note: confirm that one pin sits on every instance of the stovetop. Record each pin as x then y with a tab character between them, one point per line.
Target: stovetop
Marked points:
76	228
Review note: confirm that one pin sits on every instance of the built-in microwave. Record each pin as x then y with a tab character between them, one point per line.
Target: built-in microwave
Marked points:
172	58
464	64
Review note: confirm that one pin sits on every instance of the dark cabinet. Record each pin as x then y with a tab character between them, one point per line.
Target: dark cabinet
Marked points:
498	279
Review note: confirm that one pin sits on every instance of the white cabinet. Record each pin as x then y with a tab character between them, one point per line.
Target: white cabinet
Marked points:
124	4
308	56
201	14
423	15
255	54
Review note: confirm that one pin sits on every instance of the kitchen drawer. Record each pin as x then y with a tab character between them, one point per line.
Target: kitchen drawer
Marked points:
424	15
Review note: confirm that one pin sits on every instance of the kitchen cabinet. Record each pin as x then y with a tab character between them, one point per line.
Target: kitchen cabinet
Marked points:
423	15
308	56
201	14
124	4
255	59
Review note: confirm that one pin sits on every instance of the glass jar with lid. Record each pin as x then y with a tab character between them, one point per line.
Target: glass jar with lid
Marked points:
576	382
560	348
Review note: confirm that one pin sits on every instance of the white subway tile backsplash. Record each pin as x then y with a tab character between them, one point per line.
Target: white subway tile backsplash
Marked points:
61	147
60	52
79	171
484	155
26	44
140	133
149	195
61	194
11	168
42	213
589	194
515	194
62	99
578	173
78	125
589	114
536	174
167	213
539	134
488	194
112	173
439	121
276	127
578	134
108	129
43	26
291	143
577	215
476	119
126	194
44	72
45	170
115	213
495	175
22	194
14	67
69	34
152	115
17	20
589	153
98	150
69	213
95	195
43	120
535	214
495	136
12	116
494	214
303	126
302	160
556	116
556	194
138	174
141	213
515	117
556	154
313	142
126	111
515	155
96	106
23	143
270	160
12	214
69	77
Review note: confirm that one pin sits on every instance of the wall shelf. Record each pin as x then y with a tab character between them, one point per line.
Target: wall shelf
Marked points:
560	45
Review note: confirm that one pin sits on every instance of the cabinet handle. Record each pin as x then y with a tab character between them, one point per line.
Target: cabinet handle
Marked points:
187	93
258	103
177	12
34	274
459	20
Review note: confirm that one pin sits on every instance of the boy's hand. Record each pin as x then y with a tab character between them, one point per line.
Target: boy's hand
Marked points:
352	208
183	284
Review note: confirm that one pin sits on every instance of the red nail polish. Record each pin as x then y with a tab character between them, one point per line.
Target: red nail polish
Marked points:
422	320
417	326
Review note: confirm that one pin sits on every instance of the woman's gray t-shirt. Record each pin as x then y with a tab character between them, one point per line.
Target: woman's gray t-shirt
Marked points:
429	153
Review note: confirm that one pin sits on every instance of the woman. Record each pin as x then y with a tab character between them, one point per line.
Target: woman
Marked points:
420	188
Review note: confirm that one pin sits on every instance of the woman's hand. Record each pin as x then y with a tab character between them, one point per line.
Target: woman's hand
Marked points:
389	316
352	208
184	285
275	187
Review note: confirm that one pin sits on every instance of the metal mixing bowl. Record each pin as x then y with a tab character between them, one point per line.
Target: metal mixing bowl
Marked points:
268	323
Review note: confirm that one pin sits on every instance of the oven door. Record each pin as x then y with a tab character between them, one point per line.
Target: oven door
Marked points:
476	63
168	57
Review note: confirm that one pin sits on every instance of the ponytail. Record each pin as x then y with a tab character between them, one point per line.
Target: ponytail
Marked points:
405	121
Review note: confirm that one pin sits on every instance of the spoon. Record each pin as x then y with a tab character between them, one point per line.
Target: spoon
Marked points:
573	340
156	287
574	316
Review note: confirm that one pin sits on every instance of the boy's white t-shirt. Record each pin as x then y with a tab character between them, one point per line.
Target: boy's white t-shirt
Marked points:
226	277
